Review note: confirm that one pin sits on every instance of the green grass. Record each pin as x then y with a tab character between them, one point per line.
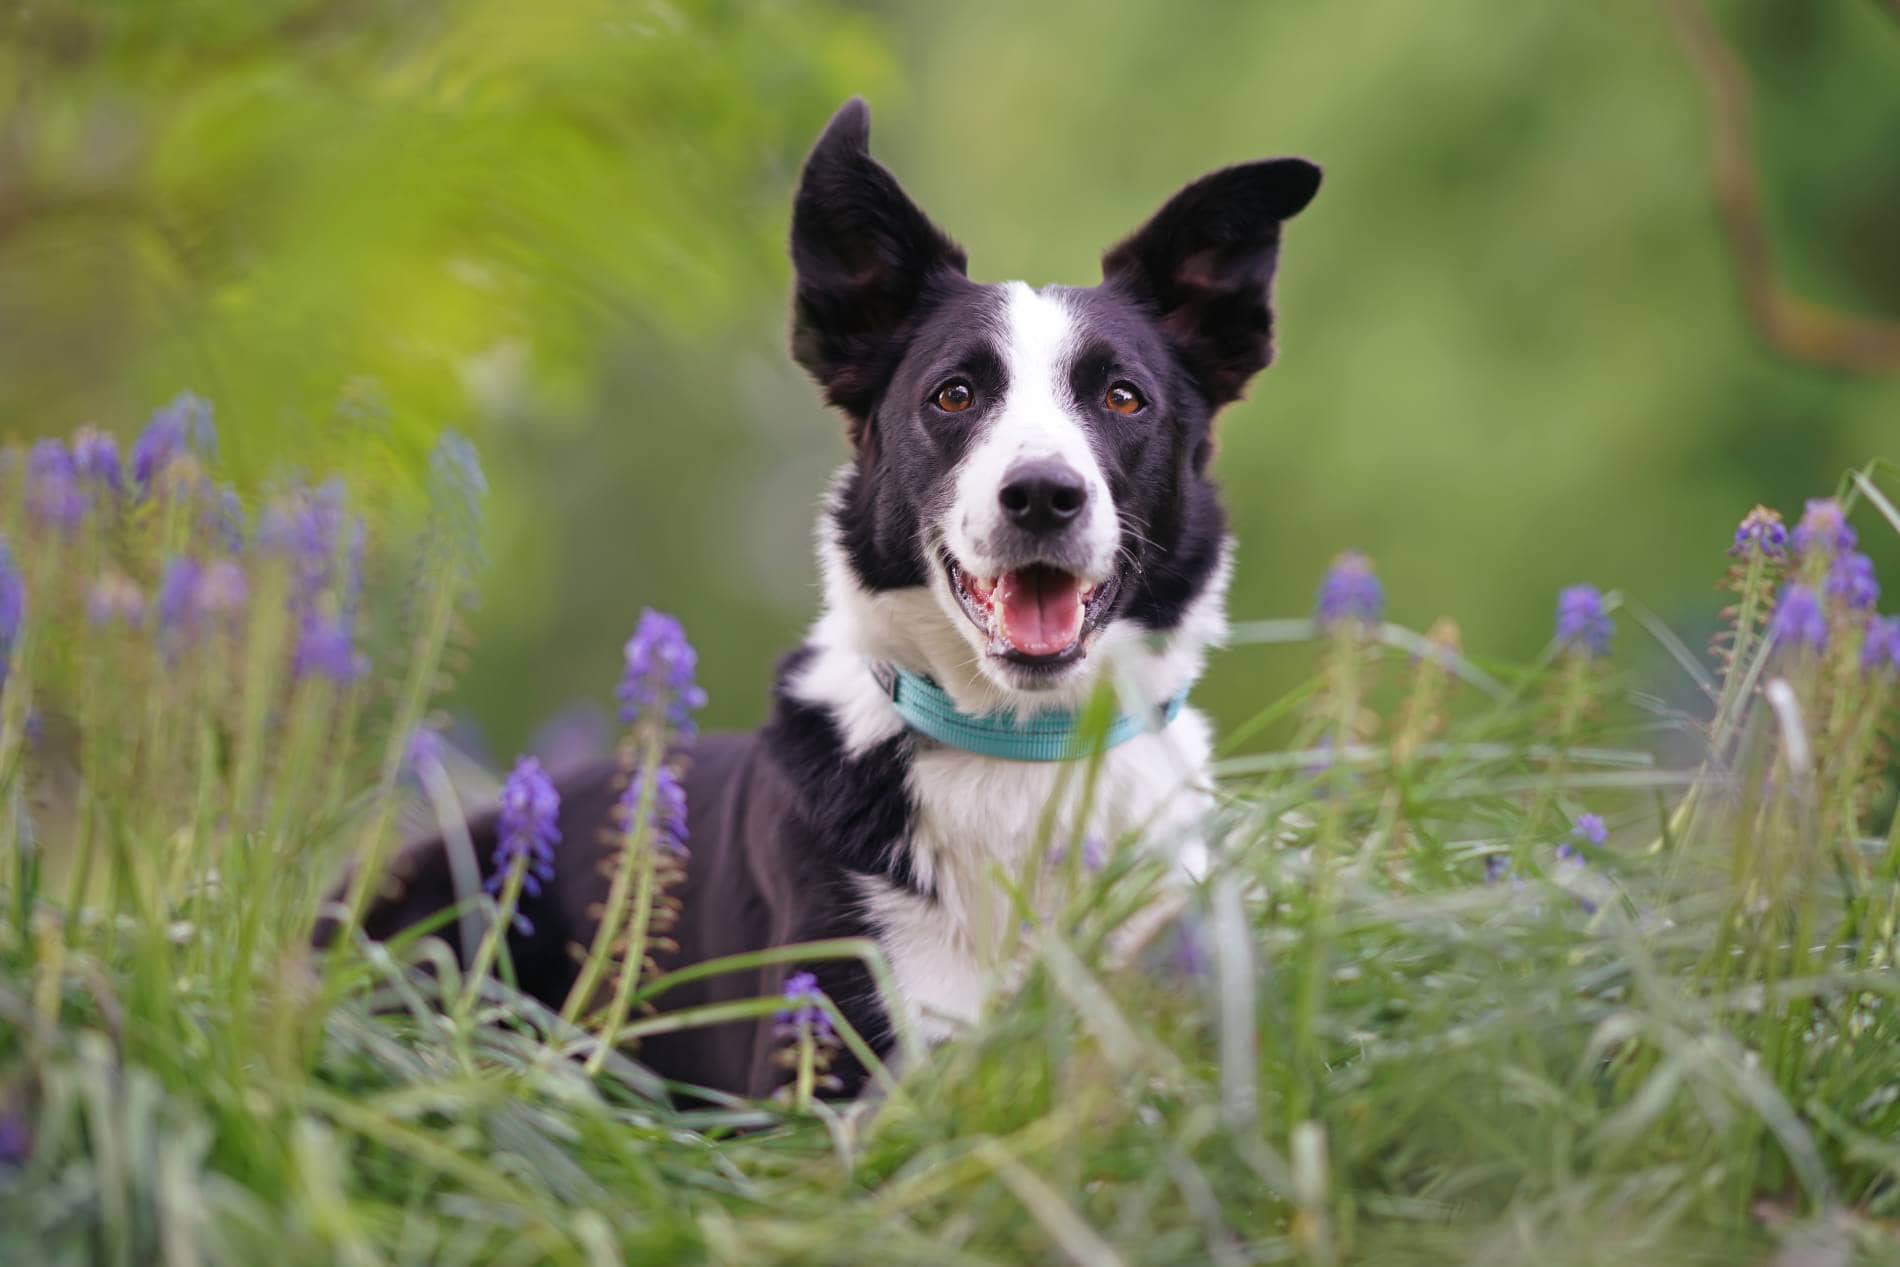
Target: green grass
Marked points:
1350	1048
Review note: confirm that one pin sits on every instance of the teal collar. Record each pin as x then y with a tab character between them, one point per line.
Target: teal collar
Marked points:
927	709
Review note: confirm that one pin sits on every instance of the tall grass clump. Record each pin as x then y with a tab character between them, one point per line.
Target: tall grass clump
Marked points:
1488	963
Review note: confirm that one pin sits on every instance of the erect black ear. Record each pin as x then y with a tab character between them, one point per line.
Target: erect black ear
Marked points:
1204	264
864	258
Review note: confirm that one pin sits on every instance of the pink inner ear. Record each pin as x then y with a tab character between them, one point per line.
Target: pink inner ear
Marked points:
1196	272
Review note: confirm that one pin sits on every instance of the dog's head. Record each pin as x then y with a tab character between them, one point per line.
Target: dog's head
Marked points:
1030	482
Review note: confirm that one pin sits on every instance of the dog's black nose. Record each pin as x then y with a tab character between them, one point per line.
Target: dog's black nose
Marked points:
1043	496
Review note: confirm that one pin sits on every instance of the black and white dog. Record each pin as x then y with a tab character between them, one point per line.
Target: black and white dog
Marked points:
1027	507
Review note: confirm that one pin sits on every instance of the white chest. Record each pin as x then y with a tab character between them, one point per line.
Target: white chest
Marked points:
982	824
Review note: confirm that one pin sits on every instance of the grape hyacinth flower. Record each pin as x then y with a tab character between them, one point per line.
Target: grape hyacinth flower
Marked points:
96	460
12	608
115	600
223	521
1571	864
325	650
1350	592
177	603
180	427
1880	651
52	486
1190	957
1799	620
659	674
1094	854
423	752
1583	625
668	808
1824	529
221	593
1760	532
528	828
1851	580
16	1140
306	528
455	476
805	1012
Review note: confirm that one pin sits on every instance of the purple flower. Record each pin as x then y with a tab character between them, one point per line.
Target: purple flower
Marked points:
183	425
1824	529
114	599
669	808
1851	580
221	593
12	608
1567	853
177	604
528	827
154	450
423	752
455	476
52	486
1760	532
325	650
96	459
805	1012
1190	952
1799	620
1094	854
1350	591
306	527
16	1140
1590	829
223	521
659	674
1582	623
1881	647
1497	868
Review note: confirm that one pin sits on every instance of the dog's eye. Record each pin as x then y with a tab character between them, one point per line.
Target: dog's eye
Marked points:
954	396
1124	399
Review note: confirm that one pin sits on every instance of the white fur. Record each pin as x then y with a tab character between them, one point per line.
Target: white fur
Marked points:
977	814
1036	420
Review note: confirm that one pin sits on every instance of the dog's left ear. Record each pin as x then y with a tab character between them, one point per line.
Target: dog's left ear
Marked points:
865	258
1204	264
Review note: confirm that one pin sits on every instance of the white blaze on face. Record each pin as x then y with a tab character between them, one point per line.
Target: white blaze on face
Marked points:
1038	420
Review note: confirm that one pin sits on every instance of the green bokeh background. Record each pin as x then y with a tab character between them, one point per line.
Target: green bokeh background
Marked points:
1512	352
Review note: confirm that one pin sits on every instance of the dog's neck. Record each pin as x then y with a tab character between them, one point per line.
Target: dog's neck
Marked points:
912	629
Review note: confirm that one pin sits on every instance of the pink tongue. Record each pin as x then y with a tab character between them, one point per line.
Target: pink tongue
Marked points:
1042	611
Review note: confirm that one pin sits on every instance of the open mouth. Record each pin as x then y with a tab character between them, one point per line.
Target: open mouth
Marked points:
1034	615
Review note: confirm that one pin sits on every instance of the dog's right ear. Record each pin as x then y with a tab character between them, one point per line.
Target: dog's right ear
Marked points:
864	256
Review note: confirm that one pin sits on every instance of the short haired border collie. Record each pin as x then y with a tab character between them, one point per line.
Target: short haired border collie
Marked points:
1027	503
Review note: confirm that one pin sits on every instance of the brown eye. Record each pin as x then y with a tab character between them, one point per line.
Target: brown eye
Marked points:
955	396
1124	399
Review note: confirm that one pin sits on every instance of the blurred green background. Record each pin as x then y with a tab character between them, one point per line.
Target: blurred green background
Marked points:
1513	351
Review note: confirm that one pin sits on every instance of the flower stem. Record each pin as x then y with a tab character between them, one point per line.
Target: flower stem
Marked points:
601	951
491	939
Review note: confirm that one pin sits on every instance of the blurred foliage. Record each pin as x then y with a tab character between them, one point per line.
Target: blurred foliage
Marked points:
1512	354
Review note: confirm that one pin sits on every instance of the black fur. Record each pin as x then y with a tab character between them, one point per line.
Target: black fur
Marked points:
1204	266
784	824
